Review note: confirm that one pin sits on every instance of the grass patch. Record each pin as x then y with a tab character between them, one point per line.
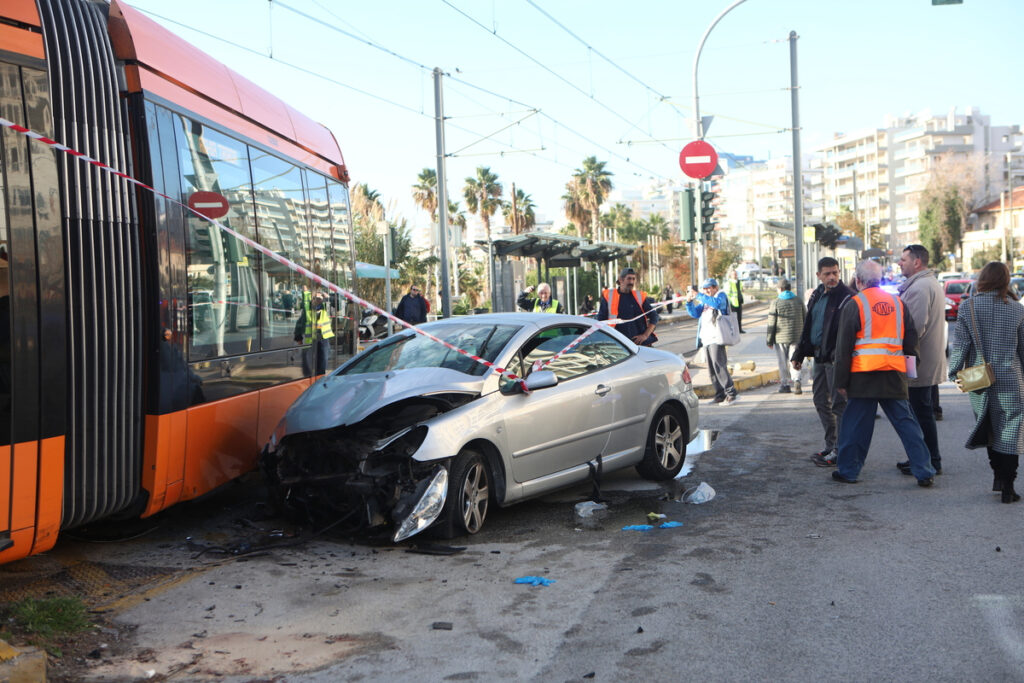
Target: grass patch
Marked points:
47	621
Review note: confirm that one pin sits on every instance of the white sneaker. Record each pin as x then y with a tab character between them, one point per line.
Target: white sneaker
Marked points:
729	400
797	389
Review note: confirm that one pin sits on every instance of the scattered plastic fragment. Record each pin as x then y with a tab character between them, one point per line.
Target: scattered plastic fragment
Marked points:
441	626
590	675
639	629
535	580
588	508
654	516
670	525
637	527
699	494
813	535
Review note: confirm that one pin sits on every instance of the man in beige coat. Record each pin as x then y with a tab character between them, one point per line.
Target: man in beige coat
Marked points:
926	302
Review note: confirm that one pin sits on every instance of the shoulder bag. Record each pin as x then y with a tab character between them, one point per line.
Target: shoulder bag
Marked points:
980	376
727	327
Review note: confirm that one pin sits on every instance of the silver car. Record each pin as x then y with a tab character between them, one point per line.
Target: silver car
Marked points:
412	434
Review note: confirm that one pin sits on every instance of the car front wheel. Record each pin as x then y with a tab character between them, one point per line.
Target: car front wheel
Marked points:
666	445
469	494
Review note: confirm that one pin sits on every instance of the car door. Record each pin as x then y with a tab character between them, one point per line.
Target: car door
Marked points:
553	429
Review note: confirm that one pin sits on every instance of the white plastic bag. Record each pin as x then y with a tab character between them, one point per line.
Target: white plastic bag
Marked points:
699	494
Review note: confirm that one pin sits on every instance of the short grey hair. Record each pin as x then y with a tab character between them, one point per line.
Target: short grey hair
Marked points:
869	273
543	286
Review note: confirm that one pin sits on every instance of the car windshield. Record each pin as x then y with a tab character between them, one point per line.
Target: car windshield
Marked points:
417	351
955	287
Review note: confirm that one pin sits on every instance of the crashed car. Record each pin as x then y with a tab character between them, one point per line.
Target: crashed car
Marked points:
410	435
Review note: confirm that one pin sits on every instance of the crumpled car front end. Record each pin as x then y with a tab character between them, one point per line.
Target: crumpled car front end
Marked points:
362	476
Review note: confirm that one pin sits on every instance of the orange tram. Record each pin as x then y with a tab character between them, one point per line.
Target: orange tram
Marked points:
145	355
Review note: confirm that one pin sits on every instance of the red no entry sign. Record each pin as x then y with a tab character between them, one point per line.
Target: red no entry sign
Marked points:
210	204
698	159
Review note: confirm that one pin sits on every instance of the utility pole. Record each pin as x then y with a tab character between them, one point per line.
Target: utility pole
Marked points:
442	195
798	186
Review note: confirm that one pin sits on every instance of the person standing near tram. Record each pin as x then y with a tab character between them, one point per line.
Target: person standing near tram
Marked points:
314	327
625	303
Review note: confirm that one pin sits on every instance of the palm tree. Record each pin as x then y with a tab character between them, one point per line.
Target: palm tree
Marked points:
574	209
524	218
593	183
424	192
457	219
483	196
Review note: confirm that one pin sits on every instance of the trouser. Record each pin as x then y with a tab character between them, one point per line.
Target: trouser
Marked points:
936	408
739	317
921	404
315	357
787	373
859	425
829	403
719	369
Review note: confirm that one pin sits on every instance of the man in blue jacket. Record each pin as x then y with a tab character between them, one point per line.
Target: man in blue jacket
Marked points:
707	306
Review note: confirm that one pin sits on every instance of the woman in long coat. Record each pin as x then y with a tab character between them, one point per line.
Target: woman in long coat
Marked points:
999	409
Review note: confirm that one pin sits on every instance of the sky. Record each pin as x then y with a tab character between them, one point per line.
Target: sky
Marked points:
532	87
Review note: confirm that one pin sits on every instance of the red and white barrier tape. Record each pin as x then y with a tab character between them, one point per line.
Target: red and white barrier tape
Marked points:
260	248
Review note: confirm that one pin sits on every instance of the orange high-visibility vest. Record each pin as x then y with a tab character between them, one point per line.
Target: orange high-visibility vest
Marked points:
879	344
613	301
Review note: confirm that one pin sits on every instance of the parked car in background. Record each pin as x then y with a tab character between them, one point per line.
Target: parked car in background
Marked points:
955	290
412	435
1017	285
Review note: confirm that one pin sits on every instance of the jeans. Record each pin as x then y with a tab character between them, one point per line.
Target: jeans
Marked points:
828	402
314	359
718	367
921	404
859	425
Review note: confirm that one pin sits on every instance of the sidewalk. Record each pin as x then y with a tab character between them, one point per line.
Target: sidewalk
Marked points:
751	363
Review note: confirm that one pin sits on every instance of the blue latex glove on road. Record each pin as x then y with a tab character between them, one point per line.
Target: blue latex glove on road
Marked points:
670	525
535	580
637	527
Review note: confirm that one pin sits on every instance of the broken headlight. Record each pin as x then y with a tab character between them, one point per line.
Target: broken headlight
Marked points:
428	507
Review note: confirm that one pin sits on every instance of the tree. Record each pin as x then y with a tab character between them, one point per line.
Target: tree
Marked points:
457	220
577	214
523	218
424	192
944	206
483	196
587	190
722	258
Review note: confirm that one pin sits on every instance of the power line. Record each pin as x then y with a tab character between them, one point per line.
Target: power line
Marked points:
542	65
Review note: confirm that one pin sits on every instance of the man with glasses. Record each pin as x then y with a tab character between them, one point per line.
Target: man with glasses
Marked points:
413	307
925	300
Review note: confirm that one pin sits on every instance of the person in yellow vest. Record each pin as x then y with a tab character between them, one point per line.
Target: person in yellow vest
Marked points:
314	327
874	340
542	303
625	303
734	290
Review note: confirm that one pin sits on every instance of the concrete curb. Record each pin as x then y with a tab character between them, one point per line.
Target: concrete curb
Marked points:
22	665
742	383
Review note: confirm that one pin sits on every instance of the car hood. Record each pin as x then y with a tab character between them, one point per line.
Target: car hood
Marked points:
340	400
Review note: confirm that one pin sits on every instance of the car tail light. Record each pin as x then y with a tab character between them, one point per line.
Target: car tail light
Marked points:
686	376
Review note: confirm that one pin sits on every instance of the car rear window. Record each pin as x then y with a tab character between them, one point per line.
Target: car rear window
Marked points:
955	287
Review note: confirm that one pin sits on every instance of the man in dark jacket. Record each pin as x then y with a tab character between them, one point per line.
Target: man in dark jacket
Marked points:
871	371
818	340
413	307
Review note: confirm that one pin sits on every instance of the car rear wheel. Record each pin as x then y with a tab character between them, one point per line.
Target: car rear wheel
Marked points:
469	495
666	445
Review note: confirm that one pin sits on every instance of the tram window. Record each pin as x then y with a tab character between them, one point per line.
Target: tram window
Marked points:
11	147
223	290
282	226
337	262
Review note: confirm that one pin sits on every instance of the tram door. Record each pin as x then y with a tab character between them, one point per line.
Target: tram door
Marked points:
33	344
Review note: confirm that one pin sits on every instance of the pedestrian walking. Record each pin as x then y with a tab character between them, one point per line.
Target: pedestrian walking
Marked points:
707	306
413	307
998	341
875	336
734	291
627	304
818	341
668	295
924	297
786	315
542	303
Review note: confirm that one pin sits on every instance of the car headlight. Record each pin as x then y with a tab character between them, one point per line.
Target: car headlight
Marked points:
427	508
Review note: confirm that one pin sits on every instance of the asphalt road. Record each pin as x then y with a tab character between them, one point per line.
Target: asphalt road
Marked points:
785	575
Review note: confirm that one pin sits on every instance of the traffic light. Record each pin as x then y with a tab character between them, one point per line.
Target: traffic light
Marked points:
707	210
827	234
687	226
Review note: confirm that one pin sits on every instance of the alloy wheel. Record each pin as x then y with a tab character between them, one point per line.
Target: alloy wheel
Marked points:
475	497
668	440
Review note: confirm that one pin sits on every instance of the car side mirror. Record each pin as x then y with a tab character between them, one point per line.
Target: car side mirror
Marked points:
541	379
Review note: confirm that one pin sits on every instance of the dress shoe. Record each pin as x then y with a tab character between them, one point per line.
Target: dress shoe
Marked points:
839	477
904	466
784	390
926	482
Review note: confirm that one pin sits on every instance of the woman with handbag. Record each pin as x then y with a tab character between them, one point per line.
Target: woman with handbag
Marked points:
988	362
